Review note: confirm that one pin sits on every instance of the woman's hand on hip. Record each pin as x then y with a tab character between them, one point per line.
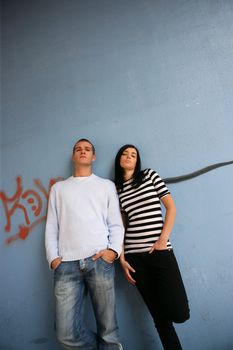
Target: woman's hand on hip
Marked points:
160	244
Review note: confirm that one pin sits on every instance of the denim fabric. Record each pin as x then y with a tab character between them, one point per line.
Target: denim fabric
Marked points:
159	281
72	281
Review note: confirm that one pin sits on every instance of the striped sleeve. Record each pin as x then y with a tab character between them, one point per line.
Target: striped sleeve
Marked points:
158	183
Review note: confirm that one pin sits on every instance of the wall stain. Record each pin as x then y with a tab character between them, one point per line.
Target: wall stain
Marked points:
38	341
175	179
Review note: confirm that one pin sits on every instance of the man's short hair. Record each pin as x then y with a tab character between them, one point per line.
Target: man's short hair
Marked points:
85	140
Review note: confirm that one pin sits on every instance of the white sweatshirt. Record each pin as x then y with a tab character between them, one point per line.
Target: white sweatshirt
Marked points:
83	218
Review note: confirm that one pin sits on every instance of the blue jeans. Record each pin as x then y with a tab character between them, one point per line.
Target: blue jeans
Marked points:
72	281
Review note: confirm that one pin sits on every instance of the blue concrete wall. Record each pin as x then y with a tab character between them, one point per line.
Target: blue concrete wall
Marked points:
155	73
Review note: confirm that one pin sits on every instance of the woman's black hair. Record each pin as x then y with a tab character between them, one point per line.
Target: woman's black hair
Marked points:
119	173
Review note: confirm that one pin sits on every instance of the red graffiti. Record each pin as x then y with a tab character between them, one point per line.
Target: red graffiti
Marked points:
33	210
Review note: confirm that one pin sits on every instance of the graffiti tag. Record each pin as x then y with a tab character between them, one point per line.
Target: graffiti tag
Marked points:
30	203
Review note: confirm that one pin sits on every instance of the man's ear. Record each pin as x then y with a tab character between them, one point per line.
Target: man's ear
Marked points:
93	158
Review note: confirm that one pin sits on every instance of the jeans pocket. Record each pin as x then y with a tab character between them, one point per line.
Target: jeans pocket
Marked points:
65	268
164	255
104	268
163	251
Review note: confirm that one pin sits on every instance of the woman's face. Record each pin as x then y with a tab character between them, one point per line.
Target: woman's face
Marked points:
128	159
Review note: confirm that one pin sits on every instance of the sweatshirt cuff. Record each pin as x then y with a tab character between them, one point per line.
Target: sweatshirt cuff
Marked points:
116	250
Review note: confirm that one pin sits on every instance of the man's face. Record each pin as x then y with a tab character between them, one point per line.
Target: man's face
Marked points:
83	153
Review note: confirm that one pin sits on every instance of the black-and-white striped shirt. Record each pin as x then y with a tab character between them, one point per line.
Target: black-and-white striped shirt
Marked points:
143	208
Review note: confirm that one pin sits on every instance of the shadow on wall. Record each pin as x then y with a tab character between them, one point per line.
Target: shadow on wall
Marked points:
33	202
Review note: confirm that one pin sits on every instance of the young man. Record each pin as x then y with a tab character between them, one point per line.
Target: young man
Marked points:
83	236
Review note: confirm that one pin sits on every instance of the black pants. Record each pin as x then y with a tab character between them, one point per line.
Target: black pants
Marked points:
159	282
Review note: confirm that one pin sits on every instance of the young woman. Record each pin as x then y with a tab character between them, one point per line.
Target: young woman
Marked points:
148	260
